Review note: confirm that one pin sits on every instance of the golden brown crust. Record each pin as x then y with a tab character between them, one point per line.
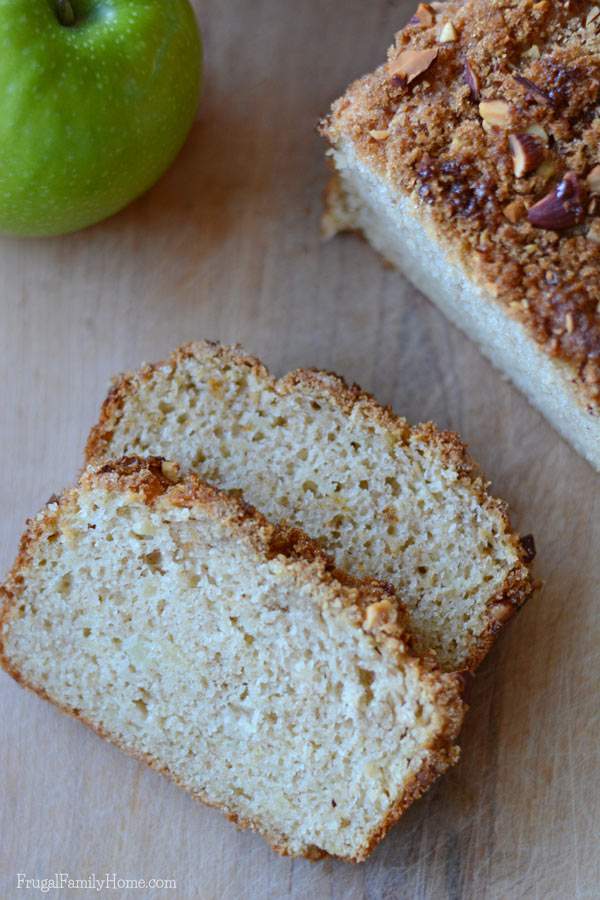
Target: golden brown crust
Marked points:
351	399
154	478
156	481
431	140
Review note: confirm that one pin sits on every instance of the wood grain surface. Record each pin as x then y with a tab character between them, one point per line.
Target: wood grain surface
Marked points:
227	246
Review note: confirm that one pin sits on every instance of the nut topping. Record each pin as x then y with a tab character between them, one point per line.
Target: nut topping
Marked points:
513	184
495	112
170	470
534	90
515	211
424	15
472	80
448	34
561	208
527	153
380	134
592	16
539	132
593	235
412	63
593	180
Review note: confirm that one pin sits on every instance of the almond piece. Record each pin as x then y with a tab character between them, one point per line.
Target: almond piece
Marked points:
472	80
593	180
532	53
448	34
593	235
533	90
527	153
424	15
561	208
495	112
170	470
515	210
539	132
412	63
592	16
379	134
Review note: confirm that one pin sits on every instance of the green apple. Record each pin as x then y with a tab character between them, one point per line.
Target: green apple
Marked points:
96	99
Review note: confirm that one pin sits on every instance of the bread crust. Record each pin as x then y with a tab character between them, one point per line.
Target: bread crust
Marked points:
428	140
382	617
352	400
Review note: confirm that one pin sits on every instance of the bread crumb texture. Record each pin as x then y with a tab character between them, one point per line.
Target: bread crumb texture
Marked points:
497	139
228	654
402	504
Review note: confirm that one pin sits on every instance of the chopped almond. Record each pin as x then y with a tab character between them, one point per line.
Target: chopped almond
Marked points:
539	132
379	134
527	153
592	16
424	15
593	235
412	63
495	112
593	180
472	80
515	210
561	208
448	34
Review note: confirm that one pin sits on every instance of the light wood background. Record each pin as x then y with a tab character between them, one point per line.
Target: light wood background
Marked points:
227	246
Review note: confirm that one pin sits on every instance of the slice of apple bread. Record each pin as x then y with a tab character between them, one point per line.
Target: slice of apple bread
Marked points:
402	504
229	654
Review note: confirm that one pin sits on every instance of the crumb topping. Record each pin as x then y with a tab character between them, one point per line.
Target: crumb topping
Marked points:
488	112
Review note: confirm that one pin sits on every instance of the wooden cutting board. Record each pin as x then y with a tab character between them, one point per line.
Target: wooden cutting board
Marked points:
227	246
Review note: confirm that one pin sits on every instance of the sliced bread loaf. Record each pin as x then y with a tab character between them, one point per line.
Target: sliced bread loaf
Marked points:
399	503
229	654
467	162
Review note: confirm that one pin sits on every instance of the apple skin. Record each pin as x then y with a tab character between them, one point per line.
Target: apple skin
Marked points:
93	113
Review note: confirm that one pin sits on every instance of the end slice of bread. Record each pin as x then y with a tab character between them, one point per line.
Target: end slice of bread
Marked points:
402	504
229	654
433	184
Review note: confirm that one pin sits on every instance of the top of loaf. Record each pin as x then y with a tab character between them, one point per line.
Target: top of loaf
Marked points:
483	109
